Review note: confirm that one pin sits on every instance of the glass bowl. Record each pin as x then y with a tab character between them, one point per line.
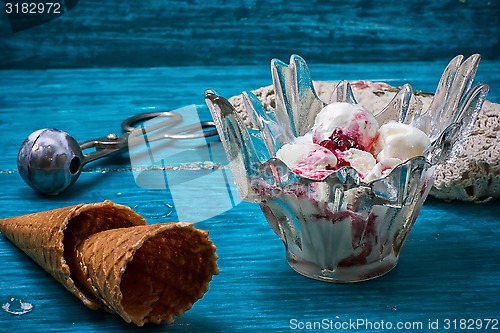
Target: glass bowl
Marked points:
342	229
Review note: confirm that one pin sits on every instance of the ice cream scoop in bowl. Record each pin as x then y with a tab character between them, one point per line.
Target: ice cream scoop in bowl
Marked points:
339	185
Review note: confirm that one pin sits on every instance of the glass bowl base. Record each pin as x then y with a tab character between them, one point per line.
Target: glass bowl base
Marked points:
351	274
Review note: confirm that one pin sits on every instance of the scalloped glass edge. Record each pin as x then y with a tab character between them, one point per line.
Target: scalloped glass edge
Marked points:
448	121
340	228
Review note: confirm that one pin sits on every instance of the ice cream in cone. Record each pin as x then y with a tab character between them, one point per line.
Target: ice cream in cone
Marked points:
108	257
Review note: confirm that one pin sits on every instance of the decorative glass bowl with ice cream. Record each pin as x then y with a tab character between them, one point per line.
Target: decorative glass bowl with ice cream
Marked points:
342	186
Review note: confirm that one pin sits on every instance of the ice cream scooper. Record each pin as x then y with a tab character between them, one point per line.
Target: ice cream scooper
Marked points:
51	160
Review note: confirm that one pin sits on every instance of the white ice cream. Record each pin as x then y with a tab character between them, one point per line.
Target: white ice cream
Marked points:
308	159
360	160
355	122
382	169
397	140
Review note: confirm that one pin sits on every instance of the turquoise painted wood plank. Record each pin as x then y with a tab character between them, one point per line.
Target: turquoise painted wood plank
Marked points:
158	33
449	262
92	103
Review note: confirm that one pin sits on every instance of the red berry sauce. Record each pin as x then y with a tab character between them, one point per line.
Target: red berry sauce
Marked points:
338	142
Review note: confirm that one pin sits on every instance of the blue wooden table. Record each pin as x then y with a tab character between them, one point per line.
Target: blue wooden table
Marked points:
449	269
450	266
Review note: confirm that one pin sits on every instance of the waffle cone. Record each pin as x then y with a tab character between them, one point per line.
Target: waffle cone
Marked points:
108	257
147	273
49	237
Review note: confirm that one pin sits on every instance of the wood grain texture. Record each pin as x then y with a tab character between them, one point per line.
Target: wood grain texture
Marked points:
90	103
449	268
158	33
449	264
